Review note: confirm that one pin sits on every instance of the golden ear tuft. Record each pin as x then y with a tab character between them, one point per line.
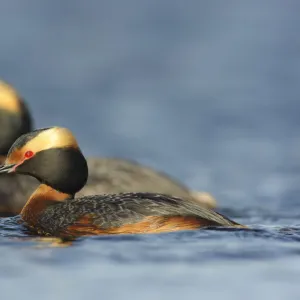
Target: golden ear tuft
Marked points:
54	137
49	138
62	137
9	98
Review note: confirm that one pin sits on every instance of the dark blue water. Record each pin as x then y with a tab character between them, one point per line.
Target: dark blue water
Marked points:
207	91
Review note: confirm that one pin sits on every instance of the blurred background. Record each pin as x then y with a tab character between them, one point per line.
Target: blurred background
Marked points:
207	91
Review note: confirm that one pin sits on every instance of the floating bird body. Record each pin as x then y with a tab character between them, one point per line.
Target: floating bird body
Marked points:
53	157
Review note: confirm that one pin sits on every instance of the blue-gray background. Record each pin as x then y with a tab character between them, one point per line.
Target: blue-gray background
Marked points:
207	91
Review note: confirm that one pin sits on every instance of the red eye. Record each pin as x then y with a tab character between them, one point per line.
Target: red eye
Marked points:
28	154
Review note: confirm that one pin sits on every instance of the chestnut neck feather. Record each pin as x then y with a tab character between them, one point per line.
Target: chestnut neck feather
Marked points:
43	196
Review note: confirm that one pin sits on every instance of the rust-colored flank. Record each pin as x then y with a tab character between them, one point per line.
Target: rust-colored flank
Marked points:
151	224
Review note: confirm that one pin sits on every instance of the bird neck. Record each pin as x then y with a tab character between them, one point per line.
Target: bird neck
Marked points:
43	197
